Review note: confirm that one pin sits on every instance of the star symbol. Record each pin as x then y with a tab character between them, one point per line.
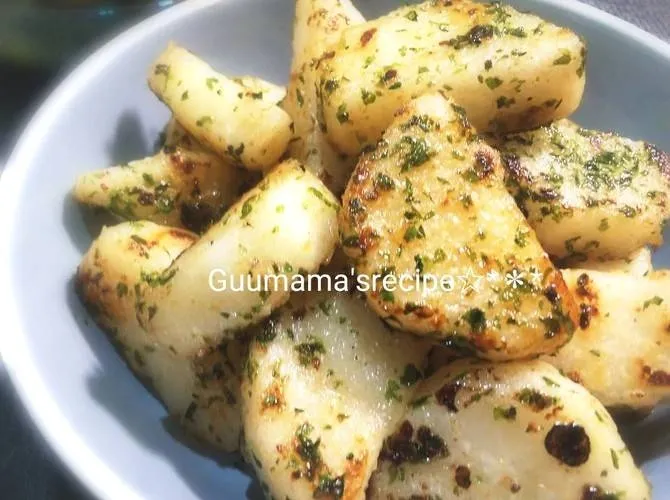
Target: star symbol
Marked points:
470	282
514	279
537	276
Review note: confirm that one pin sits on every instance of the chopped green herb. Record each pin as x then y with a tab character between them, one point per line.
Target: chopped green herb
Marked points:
476	318
368	97
501	413
392	388
121	289
565	58
211	82
656	301
342	115
493	82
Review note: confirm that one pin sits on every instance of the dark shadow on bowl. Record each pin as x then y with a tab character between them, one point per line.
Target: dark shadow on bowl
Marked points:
661	256
129	142
649	439
106	390
74	224
83	224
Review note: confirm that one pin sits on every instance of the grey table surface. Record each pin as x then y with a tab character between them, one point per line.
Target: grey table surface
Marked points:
28	468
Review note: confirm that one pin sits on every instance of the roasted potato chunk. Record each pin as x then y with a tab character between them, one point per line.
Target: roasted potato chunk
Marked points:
183	185
510	431
317	24
244	126
202	392
588	194
509	70
621	351
325	383
284	226
430	203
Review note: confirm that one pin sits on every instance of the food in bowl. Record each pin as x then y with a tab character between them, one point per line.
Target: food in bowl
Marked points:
452	354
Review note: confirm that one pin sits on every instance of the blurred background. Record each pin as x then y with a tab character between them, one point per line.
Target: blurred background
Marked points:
40	41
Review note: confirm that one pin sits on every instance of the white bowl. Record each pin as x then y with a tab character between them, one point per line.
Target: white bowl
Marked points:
101	421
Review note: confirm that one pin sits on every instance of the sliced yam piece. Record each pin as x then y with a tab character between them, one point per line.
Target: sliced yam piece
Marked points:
242	125
317	24
181	186
284	226
428	207
588	194
202	392
232	277
326	382
505	431
621	350
509	70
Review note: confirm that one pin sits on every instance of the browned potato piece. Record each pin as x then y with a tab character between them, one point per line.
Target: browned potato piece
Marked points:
197	298
317	24
621	352
244	126
326	382
183	185
430	201
508	431
588	194
509	70
202	392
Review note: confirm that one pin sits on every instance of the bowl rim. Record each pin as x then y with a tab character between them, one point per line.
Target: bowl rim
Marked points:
90	469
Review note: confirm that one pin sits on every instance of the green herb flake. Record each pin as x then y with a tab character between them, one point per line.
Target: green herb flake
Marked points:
505	102
501	413
121	289
655	301
392	388
204	121
248	206
493	82
414	233
415	151
383	182
387	296
342	114
162	69
211	82
565	58
309	353
156	279
476	318
318	194
368	97
615	458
